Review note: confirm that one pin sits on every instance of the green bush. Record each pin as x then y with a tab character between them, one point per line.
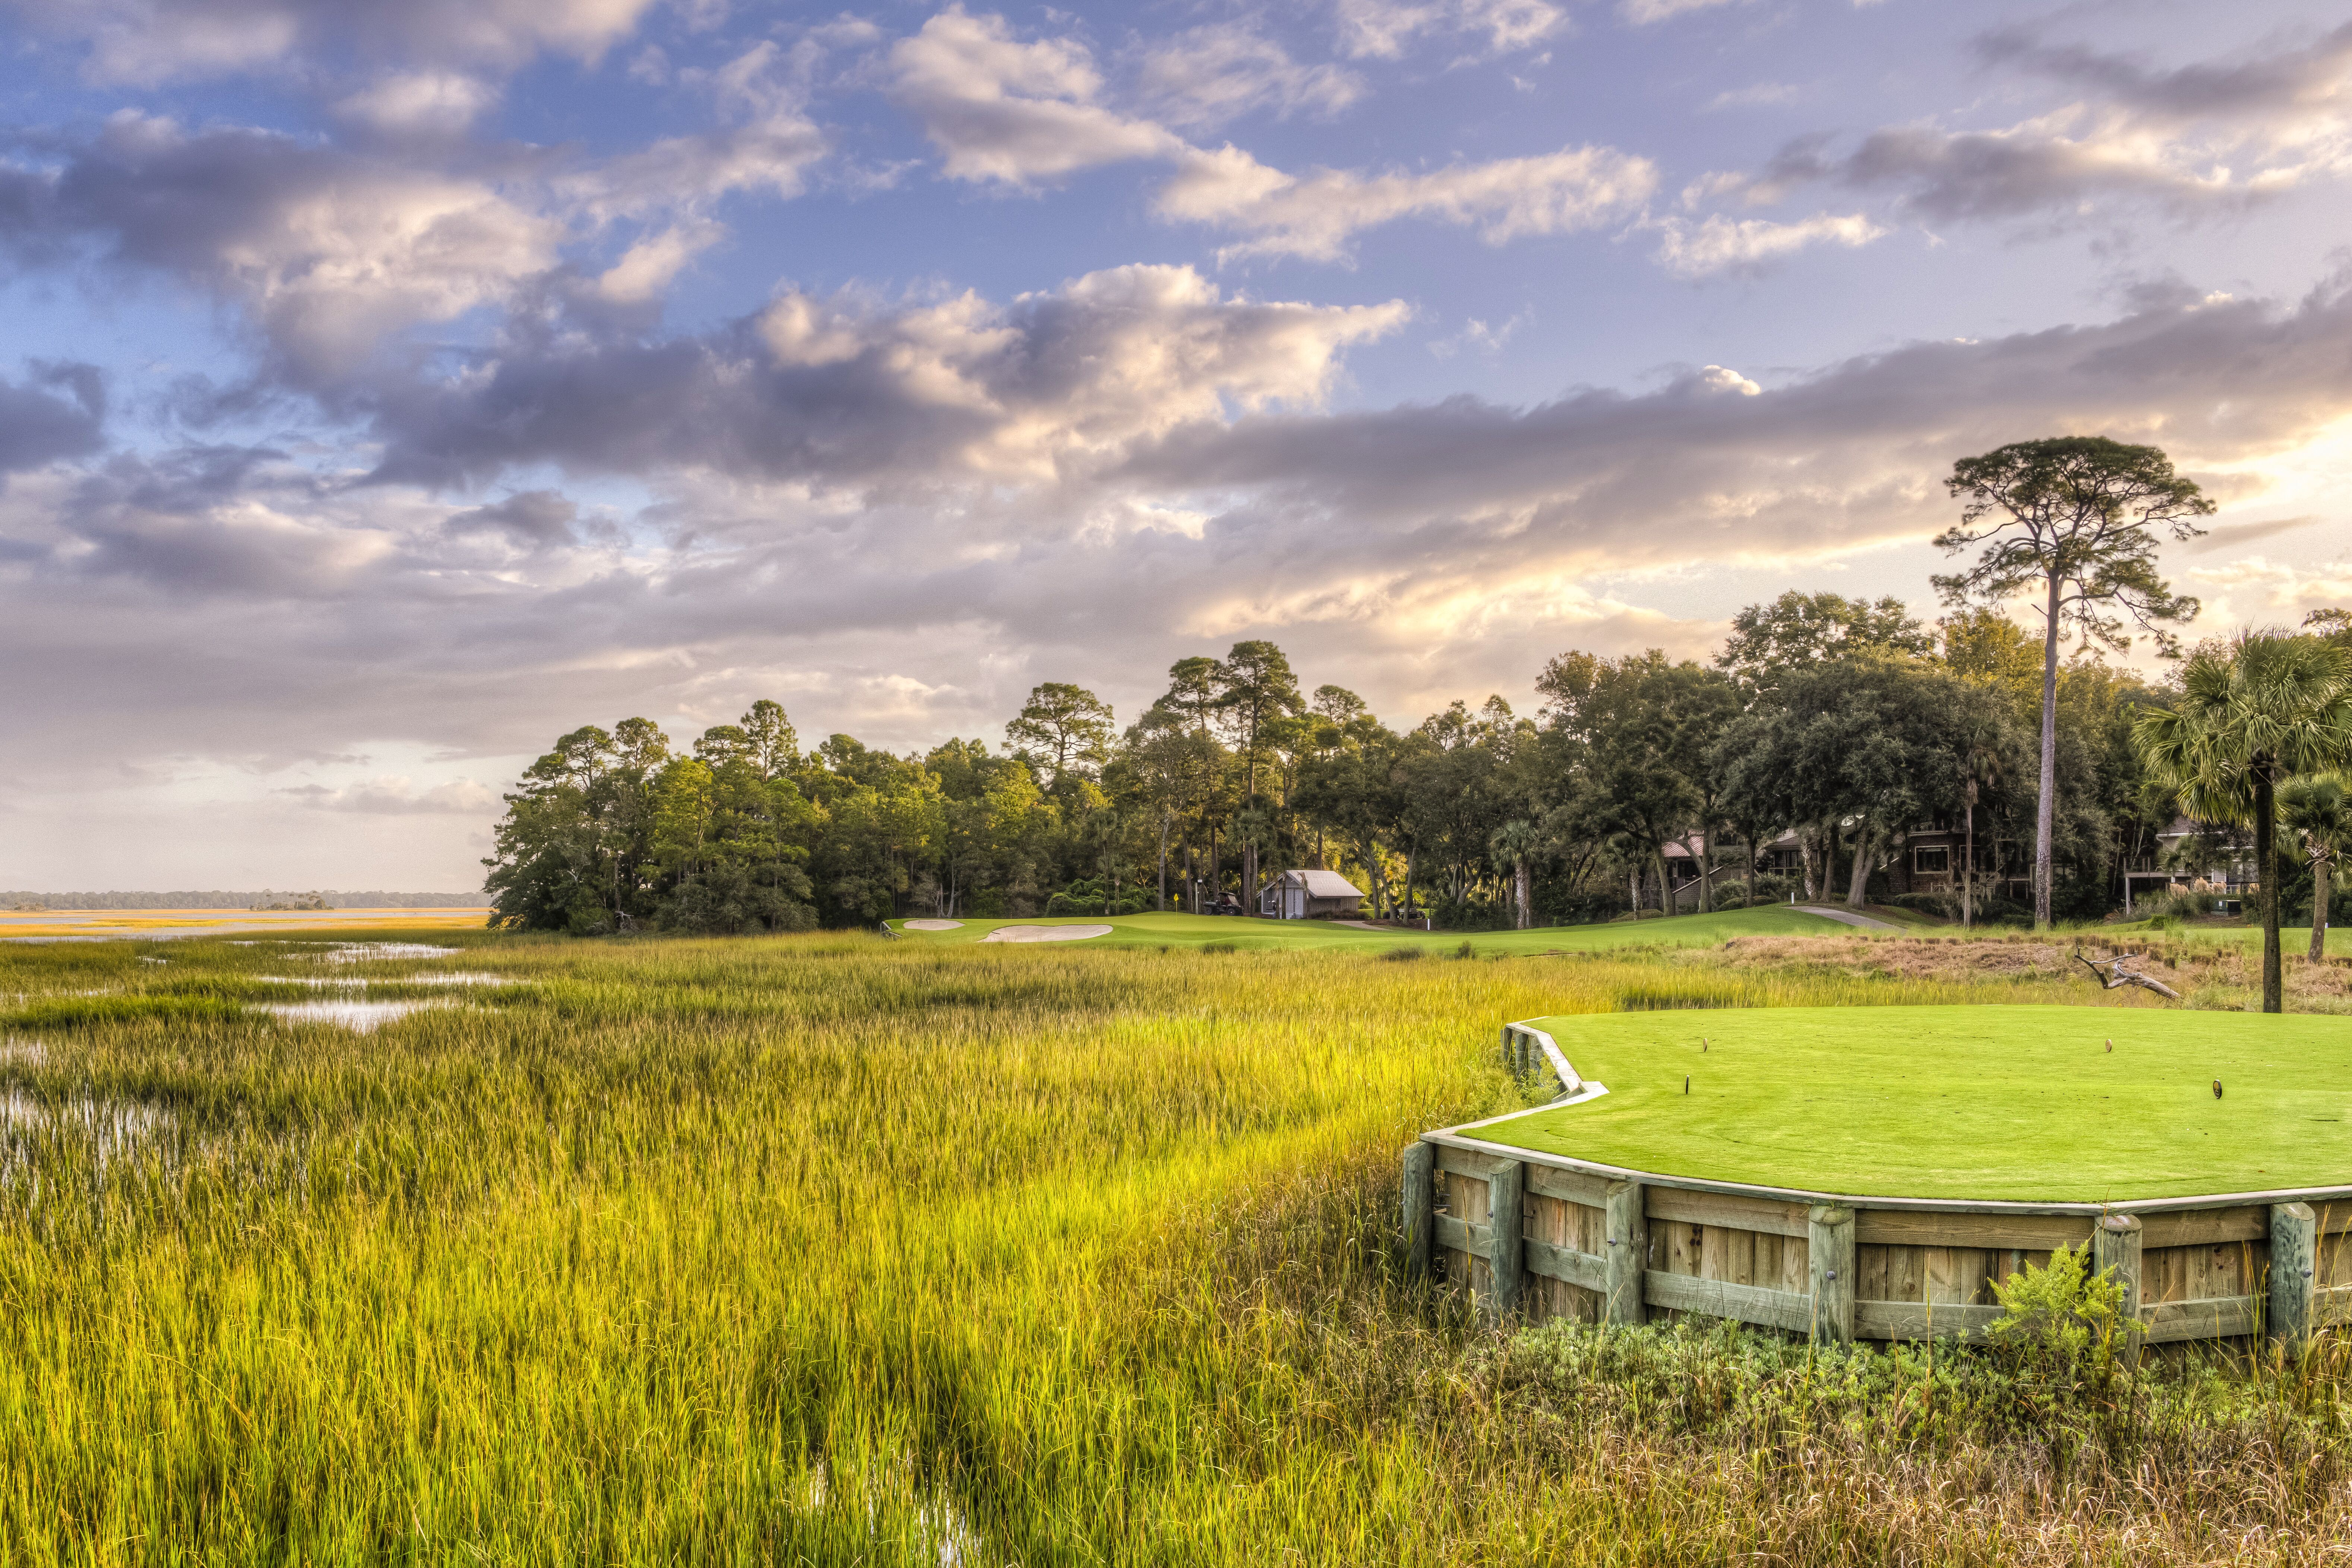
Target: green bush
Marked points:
1090	896
1938	904
2061	1332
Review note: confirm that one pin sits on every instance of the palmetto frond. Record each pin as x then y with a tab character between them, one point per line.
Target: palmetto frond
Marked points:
2318	810
2271	706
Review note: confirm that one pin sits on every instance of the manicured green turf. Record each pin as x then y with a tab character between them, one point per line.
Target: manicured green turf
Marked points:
1290	935
1989	1101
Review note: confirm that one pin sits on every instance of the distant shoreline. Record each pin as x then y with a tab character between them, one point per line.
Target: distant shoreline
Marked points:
221	899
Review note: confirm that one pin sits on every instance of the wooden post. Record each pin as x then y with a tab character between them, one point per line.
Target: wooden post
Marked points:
1627	1256
1829	1262
1510	1046
1420	1212
1506	1250
2115	1249
2294	1253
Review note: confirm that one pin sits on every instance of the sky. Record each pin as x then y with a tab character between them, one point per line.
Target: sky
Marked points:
387	390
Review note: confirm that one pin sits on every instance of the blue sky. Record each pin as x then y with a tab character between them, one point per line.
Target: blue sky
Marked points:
390	388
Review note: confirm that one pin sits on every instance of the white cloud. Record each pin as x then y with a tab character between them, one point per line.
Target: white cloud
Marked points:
395	795
1762	95
686	173
1725	245
329	253
856	394
419	103
1717	379
1213	74
1477	333
1642	13
1018	113
2204	139
1315	215
155	40
1385	29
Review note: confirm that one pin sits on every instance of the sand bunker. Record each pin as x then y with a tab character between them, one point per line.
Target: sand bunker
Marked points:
1045	933
932	925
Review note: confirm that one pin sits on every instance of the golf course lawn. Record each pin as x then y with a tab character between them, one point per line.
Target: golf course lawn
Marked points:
1233	931
1982	1102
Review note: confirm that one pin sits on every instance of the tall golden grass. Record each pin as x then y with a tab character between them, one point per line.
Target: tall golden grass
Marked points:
826	1249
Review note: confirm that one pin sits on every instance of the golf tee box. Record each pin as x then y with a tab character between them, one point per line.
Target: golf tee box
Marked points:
1870	1173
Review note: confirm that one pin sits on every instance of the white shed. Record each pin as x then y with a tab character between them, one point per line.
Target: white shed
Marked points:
1304	894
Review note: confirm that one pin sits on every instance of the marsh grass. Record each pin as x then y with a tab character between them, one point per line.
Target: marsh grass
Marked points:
828	1249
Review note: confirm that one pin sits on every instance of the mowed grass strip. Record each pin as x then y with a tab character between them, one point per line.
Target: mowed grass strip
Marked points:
2016	1103
1243	934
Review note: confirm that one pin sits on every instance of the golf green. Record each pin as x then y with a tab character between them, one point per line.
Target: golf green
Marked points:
1980	1102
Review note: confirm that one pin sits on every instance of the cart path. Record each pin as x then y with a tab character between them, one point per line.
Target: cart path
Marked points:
1848	917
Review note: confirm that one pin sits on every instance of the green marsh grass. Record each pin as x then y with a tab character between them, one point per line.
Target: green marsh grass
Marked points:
835	1249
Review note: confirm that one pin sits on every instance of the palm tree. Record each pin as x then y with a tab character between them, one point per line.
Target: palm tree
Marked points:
2270	706
2318	810
1518	841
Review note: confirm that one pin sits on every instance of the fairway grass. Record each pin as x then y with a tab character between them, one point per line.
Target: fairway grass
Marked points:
2012	1103
1239	933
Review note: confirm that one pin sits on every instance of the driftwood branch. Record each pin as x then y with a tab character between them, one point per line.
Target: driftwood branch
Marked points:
2111	973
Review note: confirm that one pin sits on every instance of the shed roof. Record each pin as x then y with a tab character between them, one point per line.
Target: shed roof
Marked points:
1322	883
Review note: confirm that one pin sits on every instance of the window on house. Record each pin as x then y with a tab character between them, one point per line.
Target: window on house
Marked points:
1931	860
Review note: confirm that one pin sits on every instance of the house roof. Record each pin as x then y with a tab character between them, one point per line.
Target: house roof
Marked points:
1322	883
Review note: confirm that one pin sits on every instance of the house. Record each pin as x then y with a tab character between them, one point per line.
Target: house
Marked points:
1308	895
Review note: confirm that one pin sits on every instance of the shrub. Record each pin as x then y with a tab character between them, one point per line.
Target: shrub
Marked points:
1090	896
2062	1330
1938	904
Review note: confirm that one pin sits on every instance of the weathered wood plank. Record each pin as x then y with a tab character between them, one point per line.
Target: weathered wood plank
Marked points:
1466	1196
1506	1252
1462	1235
1954	1273
2335	1261
1722	1298
1793	1276
1547	1219
1727	1254
1907	1274
2204	1227
1418	1206
1462	1162
1570	1186
1727	1209
2027	1232
1681	1245
1922	1319
1870	1273
2164	1275
1829	1249
2200	1283
1569	1267
2207	1317
2295	1255
1627	1255
2117	1253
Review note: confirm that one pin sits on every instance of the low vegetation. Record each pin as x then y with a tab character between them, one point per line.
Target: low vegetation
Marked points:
833	1249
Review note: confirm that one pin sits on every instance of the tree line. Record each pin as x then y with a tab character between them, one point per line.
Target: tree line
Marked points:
1846	722
1802	759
